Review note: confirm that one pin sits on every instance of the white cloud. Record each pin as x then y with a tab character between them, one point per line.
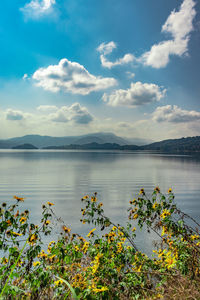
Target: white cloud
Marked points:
37	8
14	115
174	114
47	108
138	94
179	24
75	113
71	77
105	49
121	61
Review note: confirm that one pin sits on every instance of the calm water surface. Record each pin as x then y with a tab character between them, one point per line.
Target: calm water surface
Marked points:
64	177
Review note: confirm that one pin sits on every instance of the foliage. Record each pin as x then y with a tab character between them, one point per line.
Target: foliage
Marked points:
106	266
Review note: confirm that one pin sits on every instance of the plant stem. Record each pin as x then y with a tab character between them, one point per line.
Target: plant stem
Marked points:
15	264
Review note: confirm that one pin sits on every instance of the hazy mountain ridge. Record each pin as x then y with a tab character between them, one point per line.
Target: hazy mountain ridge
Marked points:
47	141
96	146
106	141
25	146
177	145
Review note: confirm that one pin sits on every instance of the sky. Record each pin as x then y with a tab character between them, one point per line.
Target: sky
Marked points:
72	67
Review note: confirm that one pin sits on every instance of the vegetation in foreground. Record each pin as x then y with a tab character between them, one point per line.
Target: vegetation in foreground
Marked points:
109	266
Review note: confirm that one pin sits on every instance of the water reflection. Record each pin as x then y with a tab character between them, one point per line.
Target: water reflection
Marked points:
63	177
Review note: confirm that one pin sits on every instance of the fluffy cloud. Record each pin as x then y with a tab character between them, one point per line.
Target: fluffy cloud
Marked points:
105	49
71	77
138	94
174	114
179	24
14	115
47	108
75	113
36	8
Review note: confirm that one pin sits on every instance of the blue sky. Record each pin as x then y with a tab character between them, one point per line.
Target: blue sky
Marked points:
74	67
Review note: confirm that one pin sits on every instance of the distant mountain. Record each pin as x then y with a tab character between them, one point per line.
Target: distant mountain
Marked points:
189	144
101	138
100	141
139	142
95	146
25	146
46	141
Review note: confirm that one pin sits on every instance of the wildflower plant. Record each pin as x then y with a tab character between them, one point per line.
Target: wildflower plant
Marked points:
100	266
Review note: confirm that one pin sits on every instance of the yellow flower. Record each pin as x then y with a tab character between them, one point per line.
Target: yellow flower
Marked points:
50	203
76	248
58	282
85	247
164	230
9	222
16	234
85	197
51	258
51	243
66	229
119	247
22	220
194	237
133	229
155	205
165	214
47	222
4	260
157	189
170	261
135	216
42	254
93	199
114	228
36	263
169	190
32	239
19	199
101	289
91	232
141	192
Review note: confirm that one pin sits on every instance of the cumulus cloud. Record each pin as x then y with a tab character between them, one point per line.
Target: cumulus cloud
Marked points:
37	8
71	77
106	49
75	113
174	114
138	94
47	108
14	115
179	25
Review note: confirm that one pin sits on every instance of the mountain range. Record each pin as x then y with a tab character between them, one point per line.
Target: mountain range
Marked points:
100	141
48	141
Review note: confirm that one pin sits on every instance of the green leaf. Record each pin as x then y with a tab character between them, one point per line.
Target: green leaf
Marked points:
75	297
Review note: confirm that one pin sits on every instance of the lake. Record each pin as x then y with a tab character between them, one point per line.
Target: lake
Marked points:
64	177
